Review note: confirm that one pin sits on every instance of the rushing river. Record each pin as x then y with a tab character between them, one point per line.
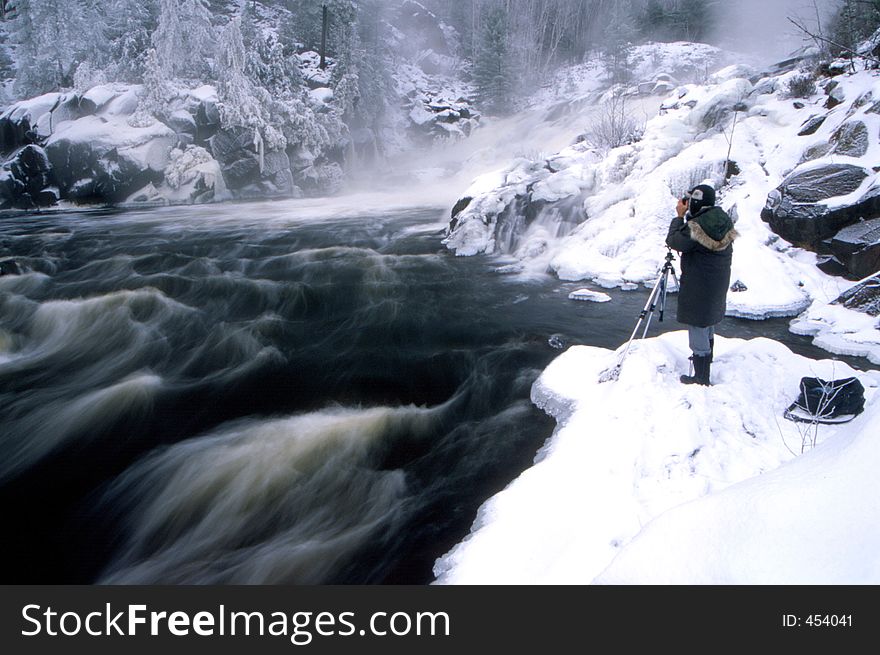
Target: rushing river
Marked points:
258	393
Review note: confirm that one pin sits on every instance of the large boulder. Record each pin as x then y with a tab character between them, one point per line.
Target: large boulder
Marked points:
184	125
798	212
192	176
858	248
851	139
247	172
99	160
320	178
207	119
97	98
18	123
235	149
729	97
836	95
277	175
863	297
28	182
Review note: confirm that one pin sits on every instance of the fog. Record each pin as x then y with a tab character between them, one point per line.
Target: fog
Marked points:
762	28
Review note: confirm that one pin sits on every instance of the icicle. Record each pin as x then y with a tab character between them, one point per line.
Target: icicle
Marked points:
258	144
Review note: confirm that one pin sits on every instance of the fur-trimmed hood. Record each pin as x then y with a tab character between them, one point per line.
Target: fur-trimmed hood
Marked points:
712	229
715	245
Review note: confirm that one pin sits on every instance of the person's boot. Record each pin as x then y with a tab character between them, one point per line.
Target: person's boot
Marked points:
702	364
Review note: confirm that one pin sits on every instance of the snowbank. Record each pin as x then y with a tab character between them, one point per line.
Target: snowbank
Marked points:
628	451
813	521
840	330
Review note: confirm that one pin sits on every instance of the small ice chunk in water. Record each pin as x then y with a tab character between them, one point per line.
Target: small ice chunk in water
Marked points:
586	294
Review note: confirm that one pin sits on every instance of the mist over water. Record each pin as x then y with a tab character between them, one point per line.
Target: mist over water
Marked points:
762	29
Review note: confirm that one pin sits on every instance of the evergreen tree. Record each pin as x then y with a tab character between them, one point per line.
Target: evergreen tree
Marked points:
155	93
52	37
183	38
242	103
617	44
266	62
491	70
129	26
854	22
676	20
306	23
361	82
238	106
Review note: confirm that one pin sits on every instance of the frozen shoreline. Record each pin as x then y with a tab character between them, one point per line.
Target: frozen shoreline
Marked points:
627	452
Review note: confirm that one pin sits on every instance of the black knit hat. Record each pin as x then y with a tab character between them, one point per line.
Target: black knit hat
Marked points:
701	196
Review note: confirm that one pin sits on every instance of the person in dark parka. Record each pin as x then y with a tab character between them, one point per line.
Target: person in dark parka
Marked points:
704	235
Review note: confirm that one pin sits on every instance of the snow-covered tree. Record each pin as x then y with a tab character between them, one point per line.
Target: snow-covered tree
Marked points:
243	104
266	62
184	38
155	93
130	24
492	72
52	38
854	22
617	44
306	23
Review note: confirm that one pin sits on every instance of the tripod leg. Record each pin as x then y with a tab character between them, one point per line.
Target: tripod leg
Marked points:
665	290
652	302
645	314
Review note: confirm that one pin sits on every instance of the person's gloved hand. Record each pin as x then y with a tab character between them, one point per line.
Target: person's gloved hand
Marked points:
681	208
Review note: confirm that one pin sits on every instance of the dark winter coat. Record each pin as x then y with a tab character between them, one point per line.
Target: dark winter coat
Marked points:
705	242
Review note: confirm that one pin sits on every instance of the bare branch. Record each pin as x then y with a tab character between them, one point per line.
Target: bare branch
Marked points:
823	39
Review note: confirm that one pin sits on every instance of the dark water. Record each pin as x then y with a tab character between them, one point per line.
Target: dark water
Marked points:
223	395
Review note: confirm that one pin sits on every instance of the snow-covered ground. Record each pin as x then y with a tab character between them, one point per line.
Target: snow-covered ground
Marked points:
647	480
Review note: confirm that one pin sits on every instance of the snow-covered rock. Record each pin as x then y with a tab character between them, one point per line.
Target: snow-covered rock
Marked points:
104	159
97	98
19	122
857	247
96	153
310	67
322	94
618	476
435	105
191	176
847	325
25	180
836	185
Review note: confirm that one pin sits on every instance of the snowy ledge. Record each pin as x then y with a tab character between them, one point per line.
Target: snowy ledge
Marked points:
841	331
619	475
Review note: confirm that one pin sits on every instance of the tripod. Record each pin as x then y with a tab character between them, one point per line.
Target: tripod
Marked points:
657	297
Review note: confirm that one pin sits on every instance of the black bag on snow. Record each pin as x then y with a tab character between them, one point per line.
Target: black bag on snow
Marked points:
827	401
